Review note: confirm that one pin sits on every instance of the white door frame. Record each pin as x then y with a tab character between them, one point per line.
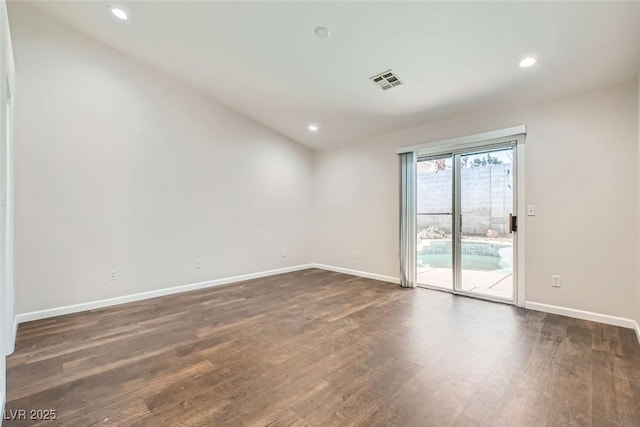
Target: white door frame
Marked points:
7	217
7	97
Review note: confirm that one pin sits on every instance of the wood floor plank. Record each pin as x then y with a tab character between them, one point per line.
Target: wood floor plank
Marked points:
318	348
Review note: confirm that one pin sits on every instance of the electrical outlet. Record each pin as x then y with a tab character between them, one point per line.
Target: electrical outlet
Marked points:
354	255
285	253
555	281
113	275
198	264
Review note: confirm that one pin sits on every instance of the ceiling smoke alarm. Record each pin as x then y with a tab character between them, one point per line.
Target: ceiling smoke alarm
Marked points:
386	80
322	32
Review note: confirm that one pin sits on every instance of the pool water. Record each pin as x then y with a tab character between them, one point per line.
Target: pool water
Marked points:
482	256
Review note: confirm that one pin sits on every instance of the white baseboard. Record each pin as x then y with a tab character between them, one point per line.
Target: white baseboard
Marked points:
75	308
59	311
357	273
582	314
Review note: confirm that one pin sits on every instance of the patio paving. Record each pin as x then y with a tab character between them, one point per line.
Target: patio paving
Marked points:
494	283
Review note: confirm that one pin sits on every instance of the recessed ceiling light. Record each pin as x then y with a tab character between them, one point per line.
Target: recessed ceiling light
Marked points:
527	62
322	32
312	127
119	13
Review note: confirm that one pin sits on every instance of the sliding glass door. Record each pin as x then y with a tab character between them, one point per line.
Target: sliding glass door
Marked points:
434	224
466	222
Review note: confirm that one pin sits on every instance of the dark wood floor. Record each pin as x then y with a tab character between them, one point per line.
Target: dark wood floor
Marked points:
324	349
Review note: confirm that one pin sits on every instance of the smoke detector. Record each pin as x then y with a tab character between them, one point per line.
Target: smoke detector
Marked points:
386	80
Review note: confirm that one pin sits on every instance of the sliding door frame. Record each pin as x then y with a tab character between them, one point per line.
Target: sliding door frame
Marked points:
511	137
457	213
451	215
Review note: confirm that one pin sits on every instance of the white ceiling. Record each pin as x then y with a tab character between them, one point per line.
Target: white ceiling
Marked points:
263	59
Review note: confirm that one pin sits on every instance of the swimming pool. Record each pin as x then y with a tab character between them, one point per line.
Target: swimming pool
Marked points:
481	256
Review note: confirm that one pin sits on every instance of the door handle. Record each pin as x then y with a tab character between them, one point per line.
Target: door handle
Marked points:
513	223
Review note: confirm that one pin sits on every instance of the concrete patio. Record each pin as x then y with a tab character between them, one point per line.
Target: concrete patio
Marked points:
494	283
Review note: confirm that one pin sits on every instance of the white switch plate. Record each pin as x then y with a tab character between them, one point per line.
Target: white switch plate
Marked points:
531	210
285	253
198	264
555	281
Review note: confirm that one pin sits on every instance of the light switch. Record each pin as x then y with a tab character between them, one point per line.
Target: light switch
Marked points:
531	210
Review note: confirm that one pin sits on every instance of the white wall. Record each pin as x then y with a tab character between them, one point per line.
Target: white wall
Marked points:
6	279
637	260
119	167
581	173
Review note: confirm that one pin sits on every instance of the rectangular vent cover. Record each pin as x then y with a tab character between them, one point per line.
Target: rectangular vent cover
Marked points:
386	80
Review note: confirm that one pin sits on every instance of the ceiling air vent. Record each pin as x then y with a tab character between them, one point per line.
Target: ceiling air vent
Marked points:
386	80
